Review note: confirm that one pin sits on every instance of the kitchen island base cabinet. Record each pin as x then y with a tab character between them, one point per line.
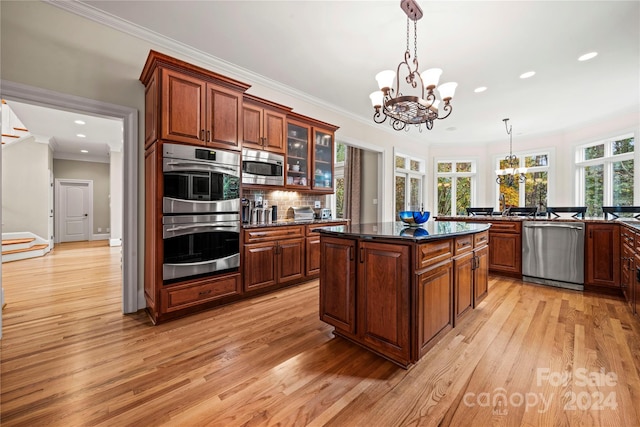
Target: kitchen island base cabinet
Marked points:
396	297
602	255
434	304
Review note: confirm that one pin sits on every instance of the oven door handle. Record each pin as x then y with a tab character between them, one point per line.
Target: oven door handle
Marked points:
207	225
202	165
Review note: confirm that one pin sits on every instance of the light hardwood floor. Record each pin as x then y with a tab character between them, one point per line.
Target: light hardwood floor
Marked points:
523	357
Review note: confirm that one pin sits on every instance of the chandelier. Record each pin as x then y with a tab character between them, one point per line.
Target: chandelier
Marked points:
511	174
401	109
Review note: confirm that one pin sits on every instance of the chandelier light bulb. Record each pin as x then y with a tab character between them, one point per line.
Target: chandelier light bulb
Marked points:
385	79
376	98
447	90
431	77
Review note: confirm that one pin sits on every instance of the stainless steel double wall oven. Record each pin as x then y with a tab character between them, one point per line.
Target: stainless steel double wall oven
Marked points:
200	205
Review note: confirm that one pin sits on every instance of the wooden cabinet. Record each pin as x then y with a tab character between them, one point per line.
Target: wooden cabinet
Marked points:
312	265
195	293
505	248
635	291
602	255
434	305
298	155
264	124
627	264
273	256
188	104
338	290
153	250
315	157
383	286
396	299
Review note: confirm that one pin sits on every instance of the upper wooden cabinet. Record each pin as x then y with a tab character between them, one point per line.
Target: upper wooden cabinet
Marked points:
264	124
188	104
310	147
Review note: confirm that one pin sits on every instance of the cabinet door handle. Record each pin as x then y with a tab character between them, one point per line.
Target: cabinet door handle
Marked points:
361	255
201	134
208	136
350	253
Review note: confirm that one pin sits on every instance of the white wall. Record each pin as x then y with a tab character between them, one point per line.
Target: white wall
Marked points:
25	196
115	197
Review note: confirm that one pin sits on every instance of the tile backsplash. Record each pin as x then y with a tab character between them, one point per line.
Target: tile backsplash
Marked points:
285	199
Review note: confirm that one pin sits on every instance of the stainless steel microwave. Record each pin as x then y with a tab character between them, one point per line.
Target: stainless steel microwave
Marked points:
262	167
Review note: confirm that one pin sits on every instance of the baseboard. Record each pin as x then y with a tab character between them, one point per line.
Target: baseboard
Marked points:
100	236
115	242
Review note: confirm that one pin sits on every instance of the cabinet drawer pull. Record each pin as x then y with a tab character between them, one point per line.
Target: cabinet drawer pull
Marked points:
258	234
203	293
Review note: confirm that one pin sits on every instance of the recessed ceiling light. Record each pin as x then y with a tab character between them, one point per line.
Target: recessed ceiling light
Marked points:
480	89
81	135
451	129
527	74
588	56
84	151
79	122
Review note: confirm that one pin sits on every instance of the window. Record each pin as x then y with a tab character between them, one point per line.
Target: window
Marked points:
534	190
455	182
605	174
409	182
337	201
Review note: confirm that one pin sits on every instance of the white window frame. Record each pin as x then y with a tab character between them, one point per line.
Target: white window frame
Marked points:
409	174
521	164
338	172
607	161
454	182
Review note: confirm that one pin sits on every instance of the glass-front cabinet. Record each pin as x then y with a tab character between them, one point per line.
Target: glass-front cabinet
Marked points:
322	160
310	146
298	136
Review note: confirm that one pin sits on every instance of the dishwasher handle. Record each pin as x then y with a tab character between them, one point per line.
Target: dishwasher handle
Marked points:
572	227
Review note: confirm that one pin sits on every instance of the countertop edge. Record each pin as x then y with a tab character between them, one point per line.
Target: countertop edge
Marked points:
406	238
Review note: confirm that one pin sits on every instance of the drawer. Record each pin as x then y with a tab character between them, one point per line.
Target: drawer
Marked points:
267	234
183	296
505	227
463	244
310	228
433	252
480	239
627	236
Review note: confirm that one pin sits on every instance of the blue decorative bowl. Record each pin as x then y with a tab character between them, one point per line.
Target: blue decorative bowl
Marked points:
414	218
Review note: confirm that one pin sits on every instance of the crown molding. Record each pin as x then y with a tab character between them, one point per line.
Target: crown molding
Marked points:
219	65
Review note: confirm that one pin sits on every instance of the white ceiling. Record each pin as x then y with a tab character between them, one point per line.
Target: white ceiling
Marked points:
58	127
331	51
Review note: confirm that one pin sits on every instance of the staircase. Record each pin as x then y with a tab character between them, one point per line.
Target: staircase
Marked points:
12	128
17	246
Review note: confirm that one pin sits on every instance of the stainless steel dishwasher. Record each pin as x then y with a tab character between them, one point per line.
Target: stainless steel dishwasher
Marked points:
553	253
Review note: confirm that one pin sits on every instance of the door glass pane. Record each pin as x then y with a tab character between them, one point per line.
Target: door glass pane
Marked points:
341	152
401	185
537	160
535	189
323	161
511	195
444	196
623	183
463	167
444	166
504	163
400	162
463	195
623	146
414	194
595	152
594	189
339	197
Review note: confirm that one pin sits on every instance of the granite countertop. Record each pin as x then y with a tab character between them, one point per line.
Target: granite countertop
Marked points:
631	223
291	221
432	230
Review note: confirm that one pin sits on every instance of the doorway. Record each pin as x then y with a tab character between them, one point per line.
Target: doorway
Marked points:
132	297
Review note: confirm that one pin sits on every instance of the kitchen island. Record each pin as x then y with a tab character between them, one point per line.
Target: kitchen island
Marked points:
396	290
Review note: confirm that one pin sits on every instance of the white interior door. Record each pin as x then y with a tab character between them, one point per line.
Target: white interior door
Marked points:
51	199
75	209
